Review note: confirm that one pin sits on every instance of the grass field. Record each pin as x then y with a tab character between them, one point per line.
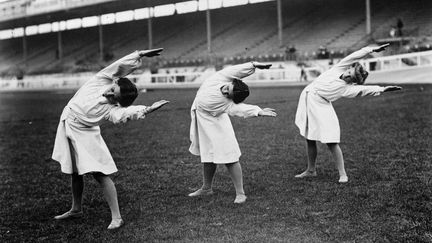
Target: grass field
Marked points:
386	141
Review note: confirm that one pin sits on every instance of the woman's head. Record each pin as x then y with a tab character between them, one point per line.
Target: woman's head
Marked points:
355	74
237	90
123	92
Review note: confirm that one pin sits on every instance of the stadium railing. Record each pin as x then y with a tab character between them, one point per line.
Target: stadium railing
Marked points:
277	76
398	62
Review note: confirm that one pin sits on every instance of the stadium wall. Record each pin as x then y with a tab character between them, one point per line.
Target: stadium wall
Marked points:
405	68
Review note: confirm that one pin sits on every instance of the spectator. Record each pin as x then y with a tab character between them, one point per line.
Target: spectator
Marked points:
290	52
303	75
399	26
323	52
331	62
108	55
392	32
19	74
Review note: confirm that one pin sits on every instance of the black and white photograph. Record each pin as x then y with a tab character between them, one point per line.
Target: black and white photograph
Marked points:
216	121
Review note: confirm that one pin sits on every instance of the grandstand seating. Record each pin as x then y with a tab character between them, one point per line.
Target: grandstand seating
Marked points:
247	31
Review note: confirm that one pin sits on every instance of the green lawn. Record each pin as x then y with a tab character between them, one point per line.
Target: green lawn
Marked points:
386	141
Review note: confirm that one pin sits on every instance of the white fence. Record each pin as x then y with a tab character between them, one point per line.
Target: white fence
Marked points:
399	62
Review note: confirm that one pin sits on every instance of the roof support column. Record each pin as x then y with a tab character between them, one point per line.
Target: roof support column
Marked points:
101	41
209	32
59	46
280	23
368	17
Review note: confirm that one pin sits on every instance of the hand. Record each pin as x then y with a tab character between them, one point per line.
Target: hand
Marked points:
267	112
157	105
392	88
380	48
151	52
260	65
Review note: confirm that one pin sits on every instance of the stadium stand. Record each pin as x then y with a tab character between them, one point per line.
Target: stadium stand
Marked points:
239	34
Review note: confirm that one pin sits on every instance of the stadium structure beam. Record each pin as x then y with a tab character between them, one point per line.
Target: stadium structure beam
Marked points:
59	45
209	32
101	42
280	23
150	26
150	32
24	45
368	17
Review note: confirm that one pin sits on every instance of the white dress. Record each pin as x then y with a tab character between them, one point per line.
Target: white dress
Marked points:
316	117
78	131
211	133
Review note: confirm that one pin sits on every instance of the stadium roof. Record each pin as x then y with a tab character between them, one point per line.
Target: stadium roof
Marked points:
103	8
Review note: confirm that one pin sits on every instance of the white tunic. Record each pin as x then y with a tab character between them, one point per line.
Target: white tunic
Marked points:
211	132
316	117
80	120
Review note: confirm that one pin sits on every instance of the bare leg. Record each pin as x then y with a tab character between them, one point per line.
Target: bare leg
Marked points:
312	155
110	193
312	152
237	176
77	186
337	154
209	170
236	173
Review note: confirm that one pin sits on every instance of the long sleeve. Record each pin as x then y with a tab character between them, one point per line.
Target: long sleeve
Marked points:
362	90
354	57
121	67
243	110
123	114
238	71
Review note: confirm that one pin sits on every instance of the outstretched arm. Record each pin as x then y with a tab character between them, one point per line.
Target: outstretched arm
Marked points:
150	53
246	111
156	106
261	65
360	54
267	112
127	64
242	70
364	90
123	114
392	88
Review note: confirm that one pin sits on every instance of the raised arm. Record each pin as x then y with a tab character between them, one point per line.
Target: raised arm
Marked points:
358	55
123	114
127	64
364	90
242	70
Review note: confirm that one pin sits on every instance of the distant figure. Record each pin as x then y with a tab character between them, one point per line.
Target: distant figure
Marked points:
331	62
211	132
399	25
19	75
287	53
392	32
316	117
290	52
323	52
303	75
108	54
79	146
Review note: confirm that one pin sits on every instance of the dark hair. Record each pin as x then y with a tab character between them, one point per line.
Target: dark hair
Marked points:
240	91
360	74
128	92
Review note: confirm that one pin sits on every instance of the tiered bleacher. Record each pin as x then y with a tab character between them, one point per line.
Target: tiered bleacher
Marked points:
311	30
